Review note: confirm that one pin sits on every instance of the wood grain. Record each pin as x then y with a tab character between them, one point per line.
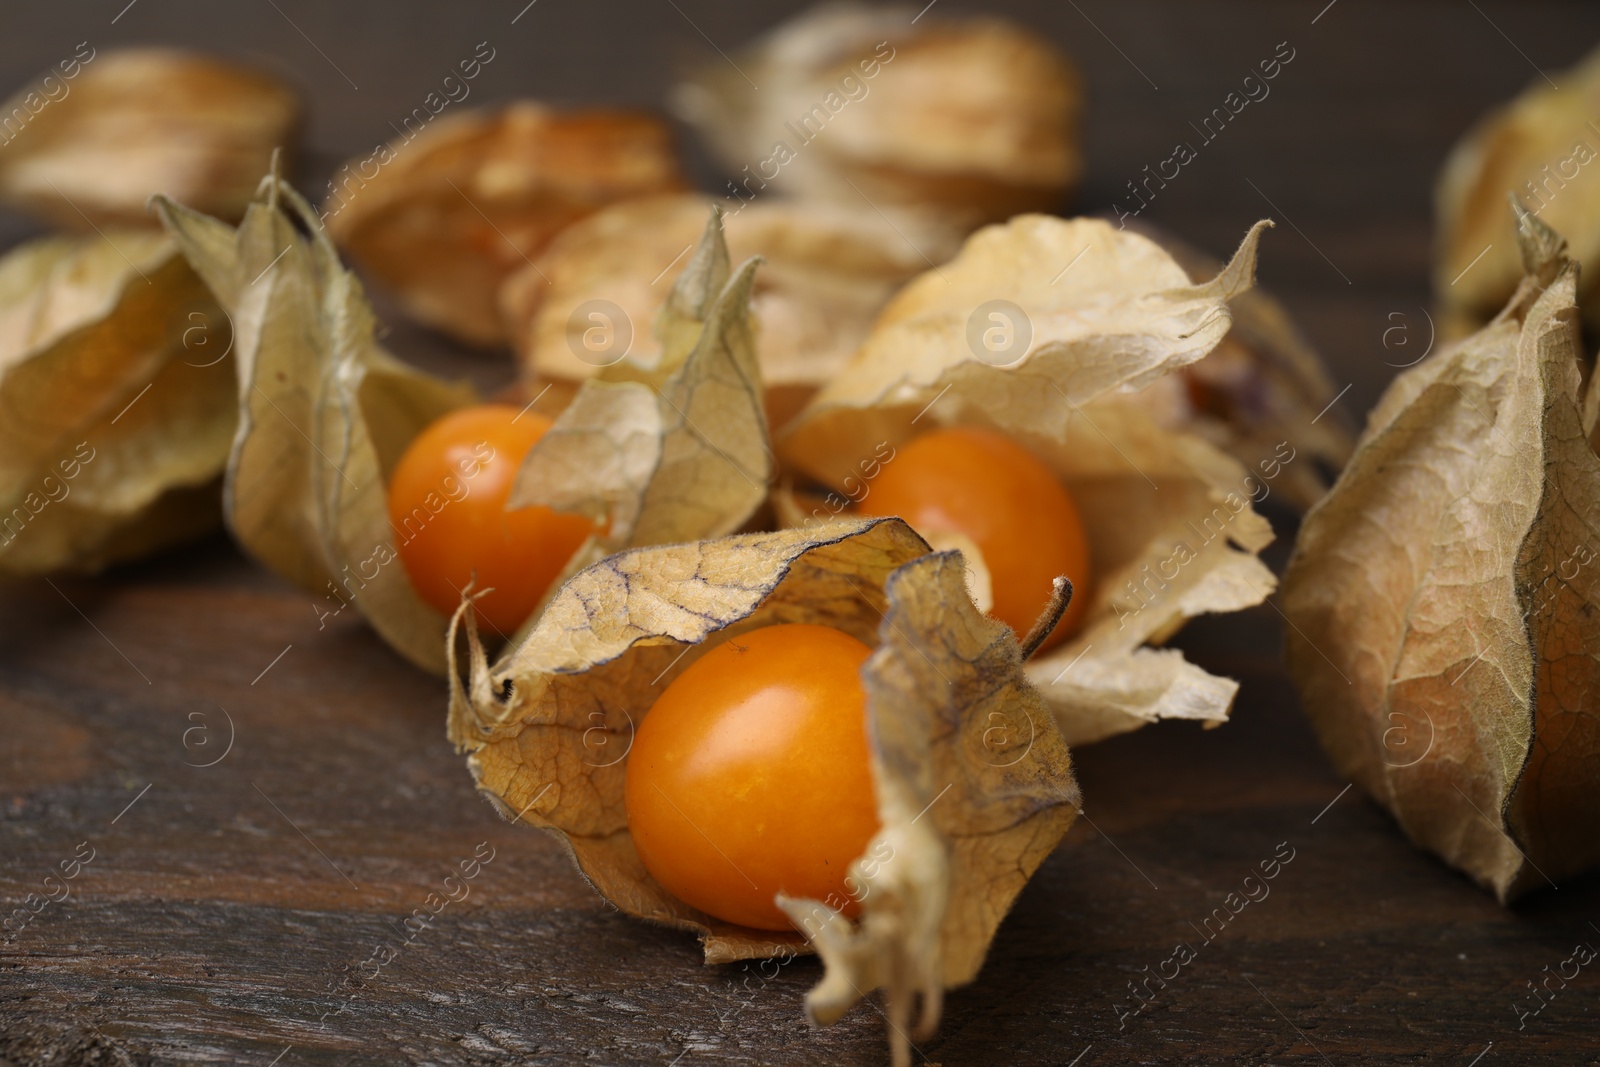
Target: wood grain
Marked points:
226	907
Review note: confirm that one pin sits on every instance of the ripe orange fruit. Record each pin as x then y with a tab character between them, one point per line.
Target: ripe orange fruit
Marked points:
750	775
984	485
447	506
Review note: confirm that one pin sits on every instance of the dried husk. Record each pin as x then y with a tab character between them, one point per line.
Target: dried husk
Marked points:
1443	596
324	413
91	148
327	413
1262	385
447	214
971	119
966	816
1543	147
670	450
828	270
116	401
1171	529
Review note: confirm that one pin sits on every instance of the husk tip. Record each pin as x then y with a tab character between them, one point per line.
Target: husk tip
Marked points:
1537	242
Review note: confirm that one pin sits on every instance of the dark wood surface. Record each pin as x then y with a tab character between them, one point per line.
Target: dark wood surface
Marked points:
226	904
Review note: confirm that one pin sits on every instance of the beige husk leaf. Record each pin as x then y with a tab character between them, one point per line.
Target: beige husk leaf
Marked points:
1096	317
542	724
324	413
1544	147
447	214
670	450
1444	596
971	120
327	413
116	401
827	270
103	133
1263	385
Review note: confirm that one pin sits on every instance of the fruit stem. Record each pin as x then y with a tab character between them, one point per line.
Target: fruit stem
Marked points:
1060	597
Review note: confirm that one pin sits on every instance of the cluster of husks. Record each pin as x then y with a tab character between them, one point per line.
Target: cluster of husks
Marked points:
1105	339
117	403
1442	594
325	412
906	134
522	224
827	270
448	214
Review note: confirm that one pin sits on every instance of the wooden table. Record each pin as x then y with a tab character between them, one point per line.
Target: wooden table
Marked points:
226	904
